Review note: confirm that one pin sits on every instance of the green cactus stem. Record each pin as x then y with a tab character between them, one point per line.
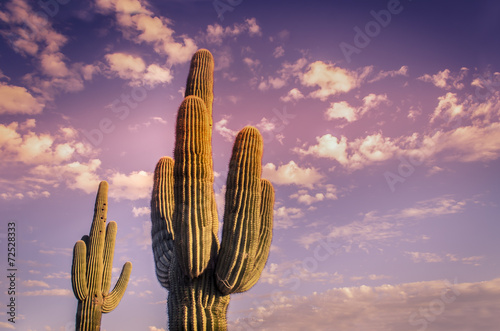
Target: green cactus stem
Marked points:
91	270
198	274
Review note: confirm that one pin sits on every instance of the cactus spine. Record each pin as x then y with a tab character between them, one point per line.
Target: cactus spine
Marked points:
198	274
91	270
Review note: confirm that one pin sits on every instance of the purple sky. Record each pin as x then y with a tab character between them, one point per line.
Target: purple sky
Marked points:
381	122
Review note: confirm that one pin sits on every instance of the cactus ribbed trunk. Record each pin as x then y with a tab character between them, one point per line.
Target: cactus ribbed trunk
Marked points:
196	304
198	274
89	314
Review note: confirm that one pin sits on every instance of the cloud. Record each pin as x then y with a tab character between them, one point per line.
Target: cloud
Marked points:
331	80
427	257
341	110
448	107
403	71
141	211
215	34
291	273
154	328
303	196
140	25
446	80
283	75
34	283
293	95
134	186
375	228
32	35
291	173
224	131
18	100
278	52
445	304
133	68
52	292
284	217
7	325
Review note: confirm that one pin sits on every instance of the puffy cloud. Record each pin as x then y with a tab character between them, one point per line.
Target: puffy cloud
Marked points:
328	146
293	95
133	68
303	196
139	25
18	100
446	80
331	80
287	71
446	304
224	131
284	217
449	107
291	173
341	110
134	186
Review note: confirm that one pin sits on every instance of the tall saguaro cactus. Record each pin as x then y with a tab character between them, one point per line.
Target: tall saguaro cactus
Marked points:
198	273
91	271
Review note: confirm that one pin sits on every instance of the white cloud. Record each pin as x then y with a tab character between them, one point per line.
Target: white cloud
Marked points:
293	95
224	131
134	186
303	196
34	283
341	110
375	228
446	80
140	25
154	328
331	79
448	107
291	173
215	34
428	257
403	71
290	273
284	217
443	304
18	100
133	68
141	211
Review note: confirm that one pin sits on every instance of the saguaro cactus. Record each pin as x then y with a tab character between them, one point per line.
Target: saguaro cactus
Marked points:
91	271
198	273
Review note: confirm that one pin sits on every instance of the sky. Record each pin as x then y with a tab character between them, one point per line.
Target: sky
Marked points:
381	126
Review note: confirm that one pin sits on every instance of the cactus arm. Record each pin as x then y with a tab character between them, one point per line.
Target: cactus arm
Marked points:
96	240
200	80
193	188
112	300
79	270
109	249
162	206
265	235
200	83
241	213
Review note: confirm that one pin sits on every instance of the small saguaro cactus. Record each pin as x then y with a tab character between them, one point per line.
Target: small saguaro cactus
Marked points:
91	270
198	273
